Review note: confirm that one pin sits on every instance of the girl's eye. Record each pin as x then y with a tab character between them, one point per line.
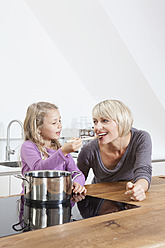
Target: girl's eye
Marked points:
94	122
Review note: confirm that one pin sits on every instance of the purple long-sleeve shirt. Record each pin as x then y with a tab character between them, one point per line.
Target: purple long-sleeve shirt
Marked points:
31	160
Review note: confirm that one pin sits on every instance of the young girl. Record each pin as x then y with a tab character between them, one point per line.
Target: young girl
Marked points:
41	149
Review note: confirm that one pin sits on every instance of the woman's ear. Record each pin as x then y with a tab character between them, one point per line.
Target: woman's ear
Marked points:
39	131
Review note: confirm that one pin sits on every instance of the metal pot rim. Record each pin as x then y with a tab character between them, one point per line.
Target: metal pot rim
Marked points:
47	174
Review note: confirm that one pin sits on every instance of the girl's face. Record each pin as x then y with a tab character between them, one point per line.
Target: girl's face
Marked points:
52	126
107	127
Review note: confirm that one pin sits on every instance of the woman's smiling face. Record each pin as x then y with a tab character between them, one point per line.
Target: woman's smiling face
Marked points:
107	129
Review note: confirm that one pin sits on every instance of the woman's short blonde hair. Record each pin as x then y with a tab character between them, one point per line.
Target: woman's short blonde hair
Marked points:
117	111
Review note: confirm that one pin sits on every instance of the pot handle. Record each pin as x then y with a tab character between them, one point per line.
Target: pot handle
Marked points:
78	174
20	177
19	229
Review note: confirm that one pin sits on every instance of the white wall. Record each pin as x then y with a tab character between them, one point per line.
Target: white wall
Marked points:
75	53
140	24
33	69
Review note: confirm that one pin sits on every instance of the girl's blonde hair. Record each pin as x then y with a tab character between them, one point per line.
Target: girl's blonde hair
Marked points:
33	123
117	111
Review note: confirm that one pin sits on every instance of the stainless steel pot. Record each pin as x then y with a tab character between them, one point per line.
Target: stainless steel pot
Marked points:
48	185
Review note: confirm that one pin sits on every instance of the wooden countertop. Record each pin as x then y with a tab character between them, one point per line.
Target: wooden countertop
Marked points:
139	227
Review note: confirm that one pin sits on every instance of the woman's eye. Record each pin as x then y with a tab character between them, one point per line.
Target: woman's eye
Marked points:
105	121
94	122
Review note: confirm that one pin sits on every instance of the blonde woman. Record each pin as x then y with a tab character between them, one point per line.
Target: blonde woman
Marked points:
41	149
121	153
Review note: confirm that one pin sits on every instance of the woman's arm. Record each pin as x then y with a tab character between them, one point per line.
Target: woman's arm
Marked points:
142	166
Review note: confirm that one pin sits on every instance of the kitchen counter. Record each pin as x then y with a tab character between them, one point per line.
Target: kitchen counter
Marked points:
139	227
6	170
9	168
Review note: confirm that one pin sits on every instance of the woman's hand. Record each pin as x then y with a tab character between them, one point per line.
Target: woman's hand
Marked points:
71	146
78	189
135	191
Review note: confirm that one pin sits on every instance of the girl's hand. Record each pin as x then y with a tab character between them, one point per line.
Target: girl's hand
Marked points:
135	191
71	146
78	189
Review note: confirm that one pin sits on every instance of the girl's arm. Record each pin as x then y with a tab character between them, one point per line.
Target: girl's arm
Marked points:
31	159
71	146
